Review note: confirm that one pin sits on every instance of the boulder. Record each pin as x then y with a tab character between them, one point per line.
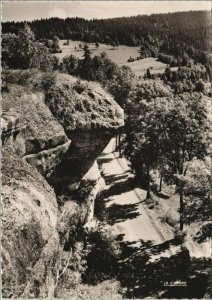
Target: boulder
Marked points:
90	118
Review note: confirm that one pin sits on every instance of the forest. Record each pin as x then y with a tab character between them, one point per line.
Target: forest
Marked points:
167	116
184	35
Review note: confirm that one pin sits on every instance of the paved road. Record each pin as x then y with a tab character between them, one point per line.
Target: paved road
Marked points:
130	216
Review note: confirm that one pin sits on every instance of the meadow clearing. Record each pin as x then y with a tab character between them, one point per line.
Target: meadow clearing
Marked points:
119	55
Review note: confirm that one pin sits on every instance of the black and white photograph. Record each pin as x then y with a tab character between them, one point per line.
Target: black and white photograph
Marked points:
106	150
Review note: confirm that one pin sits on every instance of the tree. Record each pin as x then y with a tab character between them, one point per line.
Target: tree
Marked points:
85	64
55	47
70	64
167	74
148	74
200	86
186	137
24	48
145	113
86	54
22	51
170	130
121	84
98	69
145	136
197	190
149	89
9	42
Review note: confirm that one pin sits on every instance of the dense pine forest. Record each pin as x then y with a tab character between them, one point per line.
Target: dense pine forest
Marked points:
185	35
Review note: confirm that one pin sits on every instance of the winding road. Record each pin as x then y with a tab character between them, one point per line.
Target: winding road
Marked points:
125	203
142	232
129	213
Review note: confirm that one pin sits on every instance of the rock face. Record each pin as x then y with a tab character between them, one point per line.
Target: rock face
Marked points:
29	219
90	117
90	187
29	129
79	207
59	144
30	134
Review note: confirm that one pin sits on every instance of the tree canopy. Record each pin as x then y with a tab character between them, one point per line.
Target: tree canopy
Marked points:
170	130
22	51
183	36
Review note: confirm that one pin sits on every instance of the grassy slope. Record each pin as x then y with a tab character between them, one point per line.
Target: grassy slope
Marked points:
119	56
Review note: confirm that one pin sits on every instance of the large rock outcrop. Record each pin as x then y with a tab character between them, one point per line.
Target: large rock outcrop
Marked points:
29	220
30	130
37	139
30	134
90	117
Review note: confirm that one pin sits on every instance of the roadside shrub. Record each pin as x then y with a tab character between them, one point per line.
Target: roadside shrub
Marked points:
94	260
72	264
168	219
109	289
100	210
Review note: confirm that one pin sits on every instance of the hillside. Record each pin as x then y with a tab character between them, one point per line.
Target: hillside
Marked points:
184	35
140	28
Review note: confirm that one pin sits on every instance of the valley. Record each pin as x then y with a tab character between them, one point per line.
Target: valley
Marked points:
118	55
106	165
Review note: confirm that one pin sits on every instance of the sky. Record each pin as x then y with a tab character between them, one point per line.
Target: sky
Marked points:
30	10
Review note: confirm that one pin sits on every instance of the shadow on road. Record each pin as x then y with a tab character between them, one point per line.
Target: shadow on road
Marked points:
141	277
113	178
120	213
104	160
142	268
116	213
120	187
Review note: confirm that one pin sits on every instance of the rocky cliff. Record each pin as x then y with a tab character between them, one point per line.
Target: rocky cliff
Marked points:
50	143
90	117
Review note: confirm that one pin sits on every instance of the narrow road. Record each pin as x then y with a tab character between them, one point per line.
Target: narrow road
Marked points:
124	202
148	245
